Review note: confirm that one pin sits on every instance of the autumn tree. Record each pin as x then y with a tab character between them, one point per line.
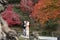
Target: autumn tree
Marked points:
10	16
26	5
45	10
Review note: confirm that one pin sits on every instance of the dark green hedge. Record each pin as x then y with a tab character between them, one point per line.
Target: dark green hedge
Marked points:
13	1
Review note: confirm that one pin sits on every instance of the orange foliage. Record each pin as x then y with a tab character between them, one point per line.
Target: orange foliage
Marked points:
46	9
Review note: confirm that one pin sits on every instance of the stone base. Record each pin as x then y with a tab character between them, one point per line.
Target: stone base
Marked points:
24	36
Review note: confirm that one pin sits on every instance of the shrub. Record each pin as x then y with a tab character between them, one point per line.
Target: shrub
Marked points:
13	1
10	16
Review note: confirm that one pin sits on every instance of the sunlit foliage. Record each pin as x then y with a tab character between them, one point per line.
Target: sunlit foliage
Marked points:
45	10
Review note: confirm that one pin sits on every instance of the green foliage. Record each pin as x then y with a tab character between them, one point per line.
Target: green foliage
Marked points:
45	33
35	1
24	16
13	1
51	25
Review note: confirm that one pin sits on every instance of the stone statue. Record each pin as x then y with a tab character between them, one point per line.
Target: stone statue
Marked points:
26	29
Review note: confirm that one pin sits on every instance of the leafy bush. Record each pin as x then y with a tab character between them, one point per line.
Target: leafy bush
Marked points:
24	16
26	5
10	16
50	26
13	1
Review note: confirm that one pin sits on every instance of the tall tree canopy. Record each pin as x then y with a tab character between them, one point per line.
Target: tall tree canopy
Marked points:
45	10
26	5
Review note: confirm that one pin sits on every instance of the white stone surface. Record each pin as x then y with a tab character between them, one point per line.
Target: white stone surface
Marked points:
47	38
